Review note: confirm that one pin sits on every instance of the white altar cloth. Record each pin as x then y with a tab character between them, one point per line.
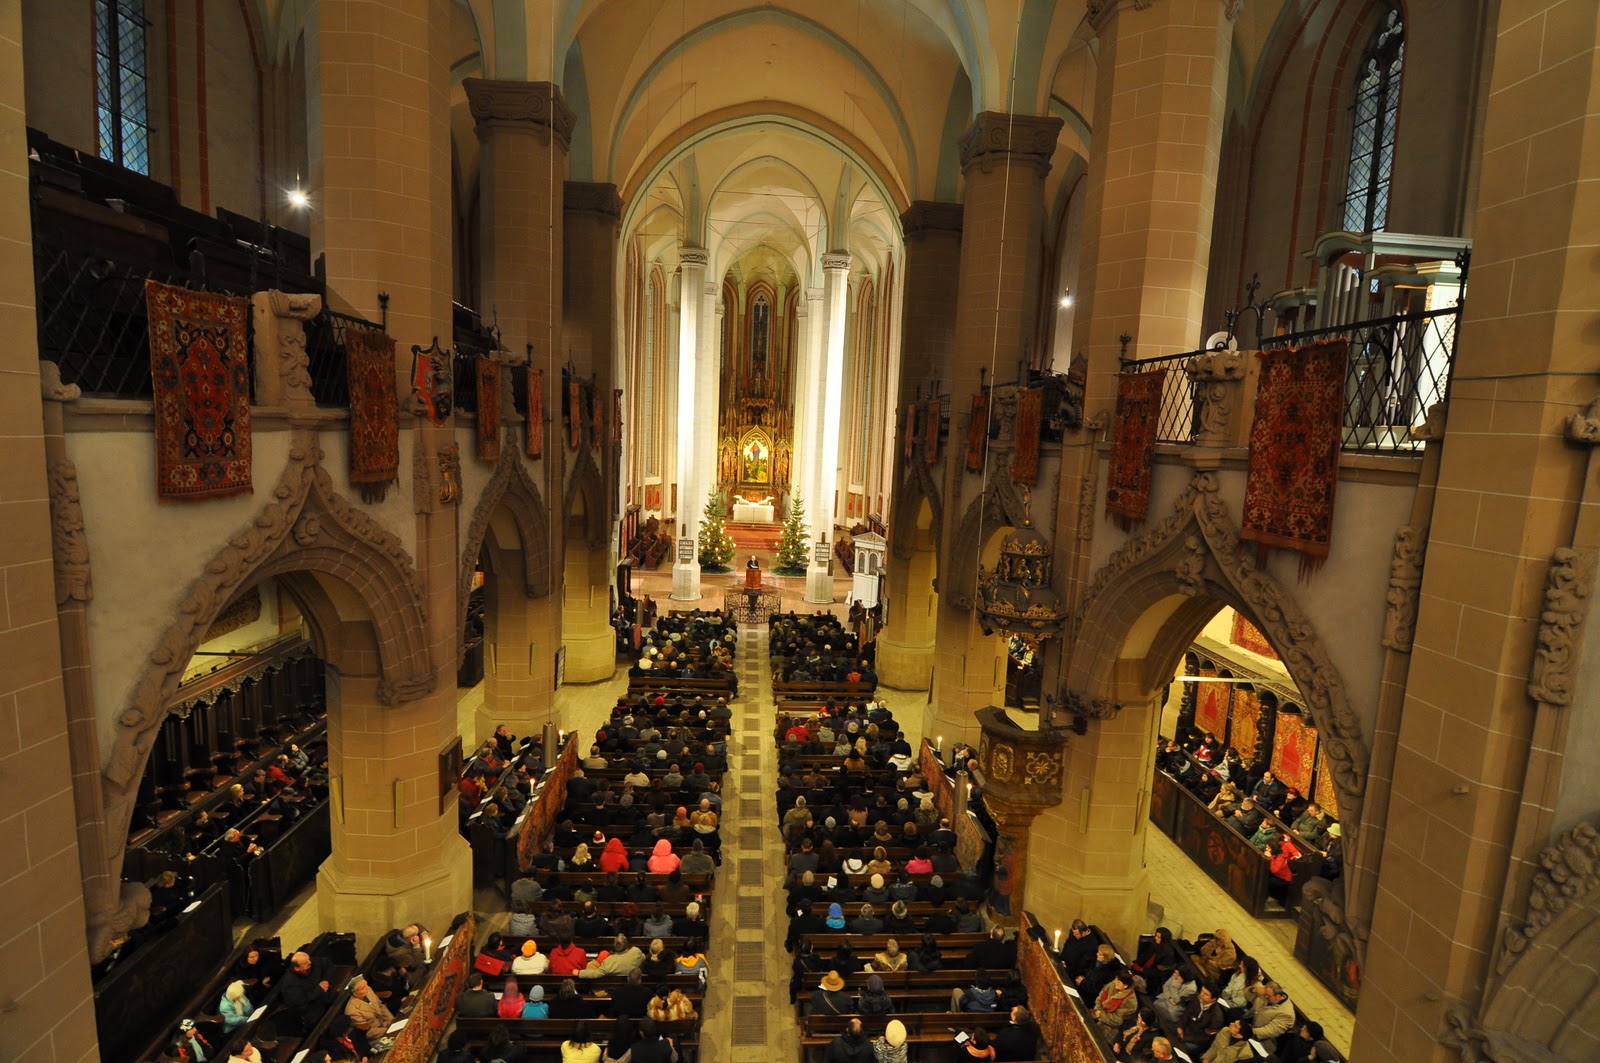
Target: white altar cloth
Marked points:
752	512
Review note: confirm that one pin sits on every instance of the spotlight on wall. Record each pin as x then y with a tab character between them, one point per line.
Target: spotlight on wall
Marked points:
298	199
1066	300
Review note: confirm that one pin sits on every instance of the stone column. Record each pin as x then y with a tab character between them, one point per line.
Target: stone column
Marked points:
377	87
829	400
708	390
691	495
804	467
593	215
1500	635
933	258
1021	778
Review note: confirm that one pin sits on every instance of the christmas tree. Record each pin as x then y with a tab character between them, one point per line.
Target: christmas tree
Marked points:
716	545
793	545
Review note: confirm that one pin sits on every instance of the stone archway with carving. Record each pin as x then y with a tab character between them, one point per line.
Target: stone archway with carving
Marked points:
1194	551
999	505
513	488
916	486
307	527
586	478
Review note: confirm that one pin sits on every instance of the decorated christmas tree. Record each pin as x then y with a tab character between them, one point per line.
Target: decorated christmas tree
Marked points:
716	545
793	545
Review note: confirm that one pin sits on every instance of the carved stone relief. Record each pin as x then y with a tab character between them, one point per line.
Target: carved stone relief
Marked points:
1218	378
69	544
1569	872
512	487
1560	640
1405	584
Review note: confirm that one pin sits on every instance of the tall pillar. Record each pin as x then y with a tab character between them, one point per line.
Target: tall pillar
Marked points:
829	400
803	473
1496	750
593	217
524	130
1004	160
933	268
691	495
377	88
708	388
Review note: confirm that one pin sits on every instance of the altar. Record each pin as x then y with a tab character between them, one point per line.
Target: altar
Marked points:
746	511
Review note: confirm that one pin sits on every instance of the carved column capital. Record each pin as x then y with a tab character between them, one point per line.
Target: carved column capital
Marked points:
531	106
930	216
283	369
1218	377
835	260
997	139
592	197
1100	12
694	256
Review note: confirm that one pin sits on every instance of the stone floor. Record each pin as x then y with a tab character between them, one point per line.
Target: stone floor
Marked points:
748	1018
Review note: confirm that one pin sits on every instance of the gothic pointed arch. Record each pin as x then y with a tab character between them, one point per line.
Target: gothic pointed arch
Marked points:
306	528
512	487
1000	504
916	485
586	478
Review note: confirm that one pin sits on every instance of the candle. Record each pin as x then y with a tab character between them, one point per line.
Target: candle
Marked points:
1058	941
938	742
427	948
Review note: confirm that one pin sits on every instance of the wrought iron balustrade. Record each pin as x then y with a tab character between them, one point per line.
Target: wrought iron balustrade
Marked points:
328	358
1178	413
92	321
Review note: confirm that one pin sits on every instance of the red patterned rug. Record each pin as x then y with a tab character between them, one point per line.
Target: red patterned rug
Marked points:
1294	751
1294	451
535	426
200	373
1244	724
488	409
1025	458
978	431
374	412
1133	446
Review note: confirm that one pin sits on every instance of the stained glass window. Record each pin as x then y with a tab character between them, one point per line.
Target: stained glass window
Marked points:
1376	112
122	88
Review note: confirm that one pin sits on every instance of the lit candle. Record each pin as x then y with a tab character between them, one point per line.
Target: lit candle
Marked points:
938	742
1058	940
427	948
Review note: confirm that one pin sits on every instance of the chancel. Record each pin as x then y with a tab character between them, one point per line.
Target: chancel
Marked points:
690	531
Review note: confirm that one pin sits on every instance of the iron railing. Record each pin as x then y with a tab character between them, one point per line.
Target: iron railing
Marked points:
328	357
92	320
1399	369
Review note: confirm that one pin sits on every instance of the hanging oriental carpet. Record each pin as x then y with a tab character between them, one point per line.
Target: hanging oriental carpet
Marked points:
1030	415
1133	446
978	431
374	412
488	409
1294	451
200	375
535	437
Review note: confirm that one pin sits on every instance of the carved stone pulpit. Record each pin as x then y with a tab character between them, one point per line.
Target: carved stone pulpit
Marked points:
1022	776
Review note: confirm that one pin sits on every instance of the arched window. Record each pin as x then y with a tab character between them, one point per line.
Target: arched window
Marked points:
1376	112
122	87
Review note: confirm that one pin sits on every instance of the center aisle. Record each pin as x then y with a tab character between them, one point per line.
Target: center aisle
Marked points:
748	1018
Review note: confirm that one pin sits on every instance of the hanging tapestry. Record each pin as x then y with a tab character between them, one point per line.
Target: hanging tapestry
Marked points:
978	432
1025	456
909	434
1327	795
1060	1016
535	424
1294	451
1248	636
616	416
488	409
935	422
1244	723
200	375
374	412
434	1006
1133	446
574	414
1294	751
1211	704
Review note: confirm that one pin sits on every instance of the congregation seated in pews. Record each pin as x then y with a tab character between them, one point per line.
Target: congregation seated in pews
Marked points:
1206	1001
817	651
687	651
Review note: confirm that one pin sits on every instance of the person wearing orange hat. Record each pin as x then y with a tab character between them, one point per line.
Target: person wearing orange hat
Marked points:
531	961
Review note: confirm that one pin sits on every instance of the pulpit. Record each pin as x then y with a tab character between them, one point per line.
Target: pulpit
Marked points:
752	575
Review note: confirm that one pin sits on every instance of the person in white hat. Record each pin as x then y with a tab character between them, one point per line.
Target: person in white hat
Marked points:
891	1047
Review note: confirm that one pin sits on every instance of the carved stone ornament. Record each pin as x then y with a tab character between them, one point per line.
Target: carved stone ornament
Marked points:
835	260
997	140
592	197
50	386
1559	645
346	545
512	487
536	105
695	256
1584	428
930	216
1193	549
1080	704
1100	11
68	544
1569	872
1000	504
1405	584
293	363
449	474
1218	379
1021	768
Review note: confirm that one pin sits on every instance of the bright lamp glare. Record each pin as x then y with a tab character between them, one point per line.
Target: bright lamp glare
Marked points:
298	199
1066	301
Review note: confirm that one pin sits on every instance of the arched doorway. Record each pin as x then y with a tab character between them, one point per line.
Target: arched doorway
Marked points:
587	637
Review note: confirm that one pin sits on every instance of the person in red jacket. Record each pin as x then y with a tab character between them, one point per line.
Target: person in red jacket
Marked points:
1283	854
567	958
614	857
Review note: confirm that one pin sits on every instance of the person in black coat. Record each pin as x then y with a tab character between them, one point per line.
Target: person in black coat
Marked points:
995	953
850	1046
1018	1039
651	1046
1077	952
